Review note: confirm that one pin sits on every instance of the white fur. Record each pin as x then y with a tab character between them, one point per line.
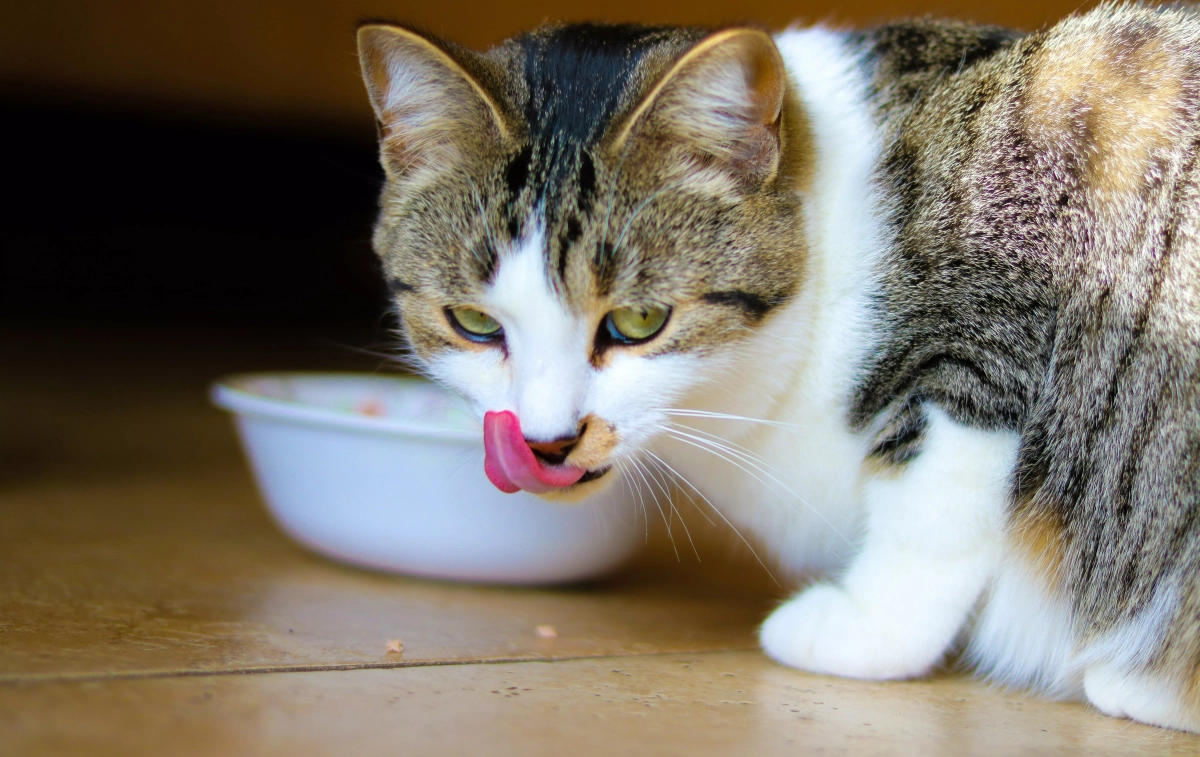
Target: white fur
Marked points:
1148	698
1024	636
547	344
934	537
1117	675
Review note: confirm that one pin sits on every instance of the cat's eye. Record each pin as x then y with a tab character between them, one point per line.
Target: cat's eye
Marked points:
637	324
475	325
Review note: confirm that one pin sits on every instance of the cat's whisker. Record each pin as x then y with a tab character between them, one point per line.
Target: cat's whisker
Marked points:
682	479
657	482
675	475
732	448
730	444
656	461
733	456
670	536
635	488
635	494
729	417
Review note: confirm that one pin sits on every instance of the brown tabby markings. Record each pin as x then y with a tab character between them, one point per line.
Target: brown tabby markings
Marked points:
722	251
1117	95
1043	274
899	440
1046	278
1040	537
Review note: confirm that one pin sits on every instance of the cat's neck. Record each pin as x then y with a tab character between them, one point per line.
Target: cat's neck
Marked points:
793	480
811	350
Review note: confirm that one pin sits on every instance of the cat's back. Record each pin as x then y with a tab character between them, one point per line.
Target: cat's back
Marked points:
1049	167
1045	195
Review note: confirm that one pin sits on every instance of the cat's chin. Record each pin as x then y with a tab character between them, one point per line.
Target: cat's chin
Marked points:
591	484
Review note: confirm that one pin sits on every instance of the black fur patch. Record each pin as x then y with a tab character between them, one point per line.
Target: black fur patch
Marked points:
755	306
396	286
576	76
587	182
900	440
516	175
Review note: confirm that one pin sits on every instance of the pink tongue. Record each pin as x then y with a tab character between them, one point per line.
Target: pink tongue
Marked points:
511	465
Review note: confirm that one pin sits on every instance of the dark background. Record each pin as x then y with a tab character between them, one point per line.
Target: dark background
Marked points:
207	164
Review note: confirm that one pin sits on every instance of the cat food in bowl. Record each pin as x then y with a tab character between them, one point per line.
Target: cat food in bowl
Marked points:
387	472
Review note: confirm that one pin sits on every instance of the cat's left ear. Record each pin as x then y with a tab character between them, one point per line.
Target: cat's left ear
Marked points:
724	100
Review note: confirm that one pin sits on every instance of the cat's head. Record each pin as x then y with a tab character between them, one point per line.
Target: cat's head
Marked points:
582	225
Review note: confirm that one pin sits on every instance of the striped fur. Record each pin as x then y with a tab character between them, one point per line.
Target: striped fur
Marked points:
957	267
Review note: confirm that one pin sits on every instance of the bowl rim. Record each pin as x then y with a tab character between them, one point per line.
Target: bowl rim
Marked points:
231	393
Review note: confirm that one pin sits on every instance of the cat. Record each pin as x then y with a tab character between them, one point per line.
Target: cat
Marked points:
931	291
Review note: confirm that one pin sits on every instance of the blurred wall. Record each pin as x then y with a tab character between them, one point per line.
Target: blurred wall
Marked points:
212	162
293	60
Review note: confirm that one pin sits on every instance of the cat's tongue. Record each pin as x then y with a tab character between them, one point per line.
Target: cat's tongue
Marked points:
512	466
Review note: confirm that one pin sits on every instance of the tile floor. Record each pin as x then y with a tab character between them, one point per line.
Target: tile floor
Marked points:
149	607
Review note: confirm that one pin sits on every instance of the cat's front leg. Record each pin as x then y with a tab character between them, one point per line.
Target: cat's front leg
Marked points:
933	539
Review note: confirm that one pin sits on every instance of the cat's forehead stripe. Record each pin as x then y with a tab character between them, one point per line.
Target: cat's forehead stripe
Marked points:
576	78
576	81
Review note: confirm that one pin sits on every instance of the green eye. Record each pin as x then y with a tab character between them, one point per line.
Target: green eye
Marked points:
474	324
631	325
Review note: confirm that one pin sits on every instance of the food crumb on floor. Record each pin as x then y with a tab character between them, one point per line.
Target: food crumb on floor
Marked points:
395	646
547	632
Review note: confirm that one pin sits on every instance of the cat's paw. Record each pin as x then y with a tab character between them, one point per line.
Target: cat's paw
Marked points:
824	630
1140	696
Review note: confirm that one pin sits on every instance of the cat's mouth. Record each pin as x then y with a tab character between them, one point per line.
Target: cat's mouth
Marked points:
592	475
511	465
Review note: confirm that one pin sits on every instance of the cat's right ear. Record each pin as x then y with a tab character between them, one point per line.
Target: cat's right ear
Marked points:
428	104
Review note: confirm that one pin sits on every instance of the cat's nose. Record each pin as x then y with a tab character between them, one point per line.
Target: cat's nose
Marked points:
555	452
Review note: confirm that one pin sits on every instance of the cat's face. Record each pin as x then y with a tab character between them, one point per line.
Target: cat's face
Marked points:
581	226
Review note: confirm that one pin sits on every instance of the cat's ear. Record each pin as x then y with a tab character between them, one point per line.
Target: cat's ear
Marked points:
428	104
724	100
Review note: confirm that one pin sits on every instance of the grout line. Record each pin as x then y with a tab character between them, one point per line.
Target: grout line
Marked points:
52	678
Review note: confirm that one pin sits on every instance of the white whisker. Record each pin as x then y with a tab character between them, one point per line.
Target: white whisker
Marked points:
733	456
729	417
654	460
680	479
635	494
670	536
720	514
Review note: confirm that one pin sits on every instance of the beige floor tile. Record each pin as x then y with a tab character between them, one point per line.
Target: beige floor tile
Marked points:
153	576
734	703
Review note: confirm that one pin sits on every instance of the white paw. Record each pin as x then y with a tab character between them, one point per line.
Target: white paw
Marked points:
824	630
1102	685
1144	697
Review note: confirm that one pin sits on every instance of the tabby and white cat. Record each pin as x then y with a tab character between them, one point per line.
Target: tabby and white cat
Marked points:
954	271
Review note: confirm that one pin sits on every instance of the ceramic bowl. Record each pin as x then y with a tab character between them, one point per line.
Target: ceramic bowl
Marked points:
387	472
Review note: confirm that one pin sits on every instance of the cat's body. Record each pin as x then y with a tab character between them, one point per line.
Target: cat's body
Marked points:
955	269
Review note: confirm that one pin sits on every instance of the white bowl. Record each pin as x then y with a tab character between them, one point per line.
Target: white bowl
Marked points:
387	472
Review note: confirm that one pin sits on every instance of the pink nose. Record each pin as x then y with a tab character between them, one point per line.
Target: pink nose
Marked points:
511	465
